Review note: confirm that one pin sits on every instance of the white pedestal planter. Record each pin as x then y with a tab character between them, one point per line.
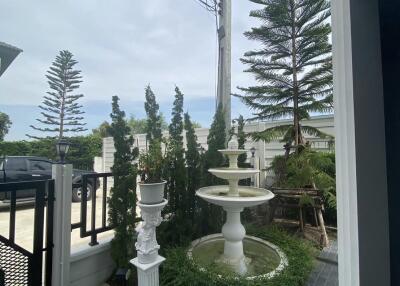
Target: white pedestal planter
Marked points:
148	260
151	194
148	273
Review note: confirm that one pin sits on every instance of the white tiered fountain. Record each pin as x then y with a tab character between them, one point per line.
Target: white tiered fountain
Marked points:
234	198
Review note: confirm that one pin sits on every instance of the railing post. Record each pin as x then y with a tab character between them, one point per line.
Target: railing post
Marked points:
62	175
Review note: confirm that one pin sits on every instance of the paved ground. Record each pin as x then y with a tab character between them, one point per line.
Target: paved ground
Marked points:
326	271
24	225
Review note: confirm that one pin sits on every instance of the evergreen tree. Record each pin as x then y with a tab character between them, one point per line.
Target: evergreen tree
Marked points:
176	181
60	110
179	229
215	141
193	163
241	135
211	215
122	203
153	124
294	66
103	130
139	126
5	124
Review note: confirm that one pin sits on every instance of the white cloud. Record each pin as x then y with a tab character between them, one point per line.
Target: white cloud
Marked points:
121	46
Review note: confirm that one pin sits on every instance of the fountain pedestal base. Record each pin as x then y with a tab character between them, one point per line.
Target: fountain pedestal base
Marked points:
234	233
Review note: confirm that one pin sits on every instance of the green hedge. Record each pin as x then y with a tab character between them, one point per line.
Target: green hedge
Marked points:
82	151
178	270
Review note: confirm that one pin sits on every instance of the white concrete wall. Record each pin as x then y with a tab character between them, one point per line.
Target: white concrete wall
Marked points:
91	266
98	165
267	151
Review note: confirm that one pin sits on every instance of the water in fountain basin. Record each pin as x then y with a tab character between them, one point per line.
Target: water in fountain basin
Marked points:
262	259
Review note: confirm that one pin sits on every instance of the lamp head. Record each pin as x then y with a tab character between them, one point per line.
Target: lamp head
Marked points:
253	151
62	147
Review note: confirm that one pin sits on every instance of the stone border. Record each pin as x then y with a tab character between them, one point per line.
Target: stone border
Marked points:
282	265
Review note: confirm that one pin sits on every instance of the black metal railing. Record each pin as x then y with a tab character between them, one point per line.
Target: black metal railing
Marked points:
93	231
19	265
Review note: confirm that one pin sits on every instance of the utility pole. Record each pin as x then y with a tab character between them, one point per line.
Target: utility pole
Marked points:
222	9
224	59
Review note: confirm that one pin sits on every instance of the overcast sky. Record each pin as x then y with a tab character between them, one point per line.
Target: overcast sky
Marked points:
121	46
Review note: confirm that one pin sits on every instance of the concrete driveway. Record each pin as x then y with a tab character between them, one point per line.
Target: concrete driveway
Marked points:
25	221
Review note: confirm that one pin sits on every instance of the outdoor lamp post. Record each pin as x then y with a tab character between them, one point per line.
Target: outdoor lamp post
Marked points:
253	151
200	149
62	147
253	164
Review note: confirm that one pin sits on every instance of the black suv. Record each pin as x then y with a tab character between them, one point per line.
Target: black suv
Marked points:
29	168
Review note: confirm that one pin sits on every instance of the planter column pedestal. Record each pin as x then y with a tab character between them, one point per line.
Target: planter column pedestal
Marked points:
148	261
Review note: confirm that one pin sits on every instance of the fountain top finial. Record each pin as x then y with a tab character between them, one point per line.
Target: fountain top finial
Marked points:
233	144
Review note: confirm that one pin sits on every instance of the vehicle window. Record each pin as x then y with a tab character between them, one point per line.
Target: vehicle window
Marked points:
16	164
1	164
40	165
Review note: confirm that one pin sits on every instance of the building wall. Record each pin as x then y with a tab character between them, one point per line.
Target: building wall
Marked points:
91	266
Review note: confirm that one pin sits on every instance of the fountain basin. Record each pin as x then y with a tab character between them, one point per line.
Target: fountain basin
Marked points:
263	259
248	196
234	173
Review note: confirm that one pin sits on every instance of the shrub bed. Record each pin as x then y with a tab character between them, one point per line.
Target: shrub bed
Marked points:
178	270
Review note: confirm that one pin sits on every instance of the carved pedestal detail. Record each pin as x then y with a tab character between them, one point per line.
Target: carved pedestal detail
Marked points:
148	261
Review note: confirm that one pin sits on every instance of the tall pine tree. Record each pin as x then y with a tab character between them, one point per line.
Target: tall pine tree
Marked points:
122	201
215	141
293	67
211	215
153	124
178	230
193	163
241	136
176	170
60	110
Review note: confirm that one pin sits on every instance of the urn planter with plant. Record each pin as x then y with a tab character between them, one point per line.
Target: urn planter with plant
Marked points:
151	185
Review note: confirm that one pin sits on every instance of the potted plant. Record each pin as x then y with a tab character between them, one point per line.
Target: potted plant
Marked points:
150	165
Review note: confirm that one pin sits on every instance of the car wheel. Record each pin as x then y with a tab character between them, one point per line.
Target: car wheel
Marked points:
77	193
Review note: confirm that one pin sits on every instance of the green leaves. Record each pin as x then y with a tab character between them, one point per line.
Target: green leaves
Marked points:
293	67
309	168
178	269
60	106
153	126
81	153
122	201
151	163
216	141
5	124
193	165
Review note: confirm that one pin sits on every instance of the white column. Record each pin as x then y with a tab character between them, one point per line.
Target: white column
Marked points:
62	174
148	261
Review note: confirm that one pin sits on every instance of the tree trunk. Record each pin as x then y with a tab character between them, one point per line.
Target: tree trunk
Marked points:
294	77
64	93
